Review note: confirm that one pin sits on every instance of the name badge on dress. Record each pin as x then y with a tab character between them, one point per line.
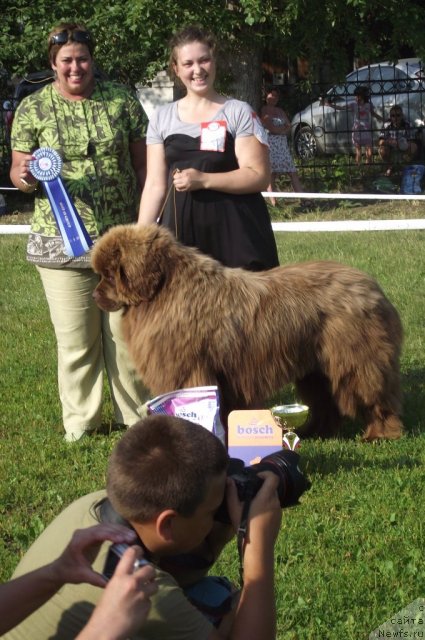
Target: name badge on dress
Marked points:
213	135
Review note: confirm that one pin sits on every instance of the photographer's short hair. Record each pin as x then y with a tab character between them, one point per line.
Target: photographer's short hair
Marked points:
162	463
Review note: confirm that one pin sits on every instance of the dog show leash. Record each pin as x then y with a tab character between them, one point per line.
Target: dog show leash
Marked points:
161	213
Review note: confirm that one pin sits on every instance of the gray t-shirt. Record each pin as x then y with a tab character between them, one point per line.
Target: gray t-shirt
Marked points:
241	121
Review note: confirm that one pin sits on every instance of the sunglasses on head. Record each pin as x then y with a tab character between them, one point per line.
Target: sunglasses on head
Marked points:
83	37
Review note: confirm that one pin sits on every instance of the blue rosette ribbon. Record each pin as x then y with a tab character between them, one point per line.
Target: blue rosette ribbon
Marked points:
46	167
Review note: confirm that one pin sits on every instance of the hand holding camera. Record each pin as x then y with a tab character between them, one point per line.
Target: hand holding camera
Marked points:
265	512
125	603
75	564
254	499
291	482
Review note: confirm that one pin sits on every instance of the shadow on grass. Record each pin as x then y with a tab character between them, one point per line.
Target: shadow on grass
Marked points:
346	452
413	416
328	463
413	385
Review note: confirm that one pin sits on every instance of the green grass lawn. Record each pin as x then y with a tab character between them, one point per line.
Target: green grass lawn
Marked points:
349	556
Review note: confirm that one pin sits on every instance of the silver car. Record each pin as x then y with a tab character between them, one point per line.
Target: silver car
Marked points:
320	129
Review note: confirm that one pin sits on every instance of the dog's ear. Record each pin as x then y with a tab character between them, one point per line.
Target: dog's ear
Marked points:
106	255
140	273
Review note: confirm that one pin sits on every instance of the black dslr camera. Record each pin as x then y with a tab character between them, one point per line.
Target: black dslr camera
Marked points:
292	482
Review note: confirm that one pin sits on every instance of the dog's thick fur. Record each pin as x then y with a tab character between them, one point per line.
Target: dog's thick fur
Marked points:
189	321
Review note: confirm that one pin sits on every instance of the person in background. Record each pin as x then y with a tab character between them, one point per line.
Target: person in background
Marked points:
124	603
209	154
363	112
278	125
397	140
97	127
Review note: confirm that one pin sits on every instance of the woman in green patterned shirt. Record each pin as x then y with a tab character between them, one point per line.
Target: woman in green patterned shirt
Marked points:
97	127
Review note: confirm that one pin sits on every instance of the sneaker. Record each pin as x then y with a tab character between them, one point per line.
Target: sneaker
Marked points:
74	436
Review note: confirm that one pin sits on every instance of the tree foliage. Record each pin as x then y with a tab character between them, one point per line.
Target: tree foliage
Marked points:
132	35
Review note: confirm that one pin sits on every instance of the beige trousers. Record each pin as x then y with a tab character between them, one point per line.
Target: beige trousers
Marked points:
88	341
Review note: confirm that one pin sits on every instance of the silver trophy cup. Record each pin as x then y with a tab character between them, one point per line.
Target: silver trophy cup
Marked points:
290	418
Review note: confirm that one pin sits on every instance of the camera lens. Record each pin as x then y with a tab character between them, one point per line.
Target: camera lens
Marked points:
284	464
292	482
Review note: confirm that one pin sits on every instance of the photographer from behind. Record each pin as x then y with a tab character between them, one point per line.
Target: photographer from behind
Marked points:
167	479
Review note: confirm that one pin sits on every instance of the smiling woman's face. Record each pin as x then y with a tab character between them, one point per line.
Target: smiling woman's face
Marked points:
74	70
195	67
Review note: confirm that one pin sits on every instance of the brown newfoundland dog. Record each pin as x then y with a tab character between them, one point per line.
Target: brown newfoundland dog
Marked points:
189	322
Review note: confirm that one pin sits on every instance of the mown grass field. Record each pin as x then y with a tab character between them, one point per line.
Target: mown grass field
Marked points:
352	553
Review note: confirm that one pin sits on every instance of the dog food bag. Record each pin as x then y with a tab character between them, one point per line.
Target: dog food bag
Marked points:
197	404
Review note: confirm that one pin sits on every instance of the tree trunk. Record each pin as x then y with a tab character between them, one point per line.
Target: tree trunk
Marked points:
243	74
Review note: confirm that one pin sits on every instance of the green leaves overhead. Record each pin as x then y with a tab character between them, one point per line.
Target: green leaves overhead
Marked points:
132	35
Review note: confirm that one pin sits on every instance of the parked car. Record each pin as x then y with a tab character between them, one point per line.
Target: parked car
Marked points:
320	129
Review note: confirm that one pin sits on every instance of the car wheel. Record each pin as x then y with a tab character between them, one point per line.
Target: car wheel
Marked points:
305	143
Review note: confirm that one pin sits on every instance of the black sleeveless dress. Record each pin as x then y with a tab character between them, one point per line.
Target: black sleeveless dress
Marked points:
234	229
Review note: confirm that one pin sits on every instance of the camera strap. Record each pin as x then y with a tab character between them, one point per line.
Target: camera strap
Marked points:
241	536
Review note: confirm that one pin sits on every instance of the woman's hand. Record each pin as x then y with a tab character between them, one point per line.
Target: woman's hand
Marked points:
253	174
24	168
20	173
188	180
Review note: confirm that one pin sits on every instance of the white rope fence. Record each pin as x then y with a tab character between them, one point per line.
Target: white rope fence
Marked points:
347	225
341	196
313	226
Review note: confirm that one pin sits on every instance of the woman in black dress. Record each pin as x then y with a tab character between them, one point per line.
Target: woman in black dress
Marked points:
208	161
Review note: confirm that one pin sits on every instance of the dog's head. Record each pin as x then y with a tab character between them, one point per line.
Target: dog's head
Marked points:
131	261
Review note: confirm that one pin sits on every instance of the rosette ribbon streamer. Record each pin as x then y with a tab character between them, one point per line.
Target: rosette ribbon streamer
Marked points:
46	167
